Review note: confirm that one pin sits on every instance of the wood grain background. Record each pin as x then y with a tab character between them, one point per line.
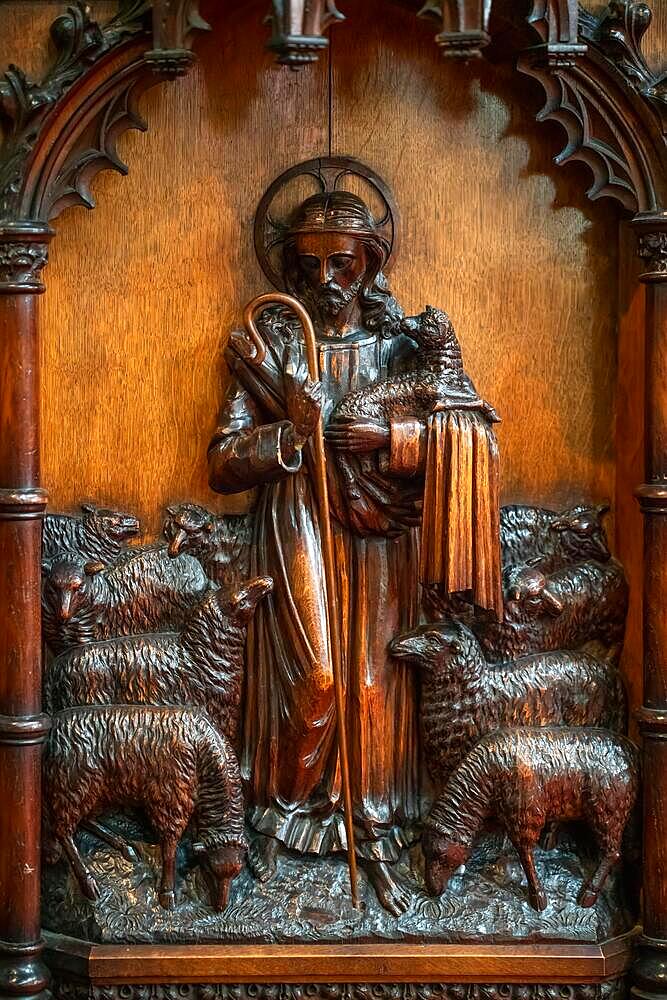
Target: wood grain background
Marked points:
142	292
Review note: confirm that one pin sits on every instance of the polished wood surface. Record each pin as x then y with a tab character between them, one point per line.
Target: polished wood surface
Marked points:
511	963
22	728
112	397
178	263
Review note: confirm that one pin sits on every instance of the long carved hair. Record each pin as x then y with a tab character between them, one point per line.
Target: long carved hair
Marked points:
343	212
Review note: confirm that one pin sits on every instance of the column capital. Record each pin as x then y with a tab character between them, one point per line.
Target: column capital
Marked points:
651	229
23	254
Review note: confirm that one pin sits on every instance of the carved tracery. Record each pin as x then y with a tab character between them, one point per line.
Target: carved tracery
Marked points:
58	133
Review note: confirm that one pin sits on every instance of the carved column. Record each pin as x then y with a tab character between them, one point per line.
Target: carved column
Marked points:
23	729
650	972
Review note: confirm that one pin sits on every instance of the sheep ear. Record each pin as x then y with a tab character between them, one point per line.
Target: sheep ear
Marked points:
93	567
603	508
171	511
88	508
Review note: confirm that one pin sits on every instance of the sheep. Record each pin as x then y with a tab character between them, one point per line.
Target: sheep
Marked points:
221	543
550	539
463	697
435	380
144	591
572	606
169	761
99	534
525	778
201	666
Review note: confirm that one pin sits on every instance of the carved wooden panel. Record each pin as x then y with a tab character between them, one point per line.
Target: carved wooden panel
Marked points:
182	308
549	354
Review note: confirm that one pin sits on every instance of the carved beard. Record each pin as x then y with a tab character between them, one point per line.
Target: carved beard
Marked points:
329	300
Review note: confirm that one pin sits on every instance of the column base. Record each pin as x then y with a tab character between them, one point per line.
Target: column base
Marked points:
649	970
23	974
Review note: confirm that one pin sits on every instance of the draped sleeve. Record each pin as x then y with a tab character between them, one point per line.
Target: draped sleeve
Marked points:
245	451
407	446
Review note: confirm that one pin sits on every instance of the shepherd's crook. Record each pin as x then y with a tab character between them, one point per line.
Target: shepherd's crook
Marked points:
322	492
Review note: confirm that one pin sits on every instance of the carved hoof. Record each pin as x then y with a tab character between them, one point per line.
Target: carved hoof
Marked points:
588	897
538	900
168	900
129	853
90	888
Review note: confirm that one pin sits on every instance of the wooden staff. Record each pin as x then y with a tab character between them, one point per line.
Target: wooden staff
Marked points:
326	534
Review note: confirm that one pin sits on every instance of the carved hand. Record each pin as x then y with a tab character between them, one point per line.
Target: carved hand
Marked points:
303	397
349	434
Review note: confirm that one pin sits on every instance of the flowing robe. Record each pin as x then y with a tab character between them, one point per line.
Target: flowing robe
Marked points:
289	752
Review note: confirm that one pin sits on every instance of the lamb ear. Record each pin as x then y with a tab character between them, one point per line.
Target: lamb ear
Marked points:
171	511
88	508
93	567
603	508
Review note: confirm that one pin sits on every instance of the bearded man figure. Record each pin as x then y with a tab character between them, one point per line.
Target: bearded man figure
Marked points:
333	260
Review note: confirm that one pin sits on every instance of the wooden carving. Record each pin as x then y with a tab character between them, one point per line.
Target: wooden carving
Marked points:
297	29
464	697
525	778
201	665
338	655
169	761
610	103
560	615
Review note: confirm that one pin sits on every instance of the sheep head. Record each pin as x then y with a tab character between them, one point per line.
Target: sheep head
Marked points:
221	865
442	857
434	645
431	330
244	600
67	586
187	528
530	595
113	524
582	533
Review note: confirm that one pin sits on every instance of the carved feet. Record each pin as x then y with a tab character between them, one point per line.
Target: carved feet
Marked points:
263	857
391	892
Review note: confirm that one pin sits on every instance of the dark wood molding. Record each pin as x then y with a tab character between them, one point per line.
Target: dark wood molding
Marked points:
23	728
610	989
59	132
373	963
609	103
599	87
651	966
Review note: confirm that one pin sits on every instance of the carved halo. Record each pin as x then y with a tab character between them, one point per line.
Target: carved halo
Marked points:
329	173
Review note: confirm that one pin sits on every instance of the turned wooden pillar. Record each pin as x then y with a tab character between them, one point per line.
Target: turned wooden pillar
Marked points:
650	971
23	728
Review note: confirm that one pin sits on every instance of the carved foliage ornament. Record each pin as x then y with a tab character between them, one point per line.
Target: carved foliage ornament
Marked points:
590	67
27	106
610	103
611	990
21	263
79	41
620	31
653	251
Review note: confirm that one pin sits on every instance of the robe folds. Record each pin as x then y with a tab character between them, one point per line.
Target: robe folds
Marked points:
289	756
